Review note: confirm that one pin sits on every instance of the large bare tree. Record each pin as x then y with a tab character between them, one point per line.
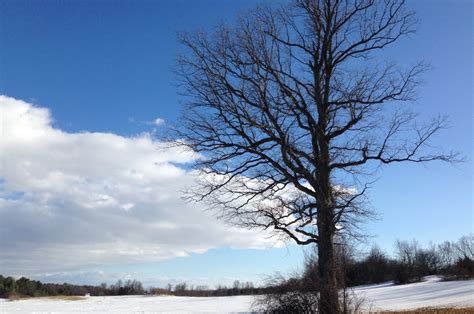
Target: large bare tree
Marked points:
292	112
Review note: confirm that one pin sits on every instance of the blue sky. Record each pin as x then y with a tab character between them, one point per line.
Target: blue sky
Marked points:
106	67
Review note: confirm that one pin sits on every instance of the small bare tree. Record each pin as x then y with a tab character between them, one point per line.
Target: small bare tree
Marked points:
446	255
465	247
290	113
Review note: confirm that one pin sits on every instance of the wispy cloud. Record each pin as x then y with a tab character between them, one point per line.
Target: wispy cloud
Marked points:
155	122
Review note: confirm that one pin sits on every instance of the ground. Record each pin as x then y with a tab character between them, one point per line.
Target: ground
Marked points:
431	293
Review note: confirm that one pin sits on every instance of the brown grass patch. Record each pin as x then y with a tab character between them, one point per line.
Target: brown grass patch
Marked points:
52	298
428	310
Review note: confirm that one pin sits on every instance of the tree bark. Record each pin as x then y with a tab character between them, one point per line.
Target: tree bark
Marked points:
328	290
328	302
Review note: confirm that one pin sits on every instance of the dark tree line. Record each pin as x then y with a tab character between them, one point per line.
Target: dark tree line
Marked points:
238	288
24	287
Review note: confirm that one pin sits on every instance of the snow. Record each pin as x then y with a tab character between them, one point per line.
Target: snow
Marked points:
131	304
430	293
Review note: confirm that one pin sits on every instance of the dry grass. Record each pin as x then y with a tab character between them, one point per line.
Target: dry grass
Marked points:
427	310
52	298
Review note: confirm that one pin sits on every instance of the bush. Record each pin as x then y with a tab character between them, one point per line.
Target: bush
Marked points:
462	269
287	302
402	274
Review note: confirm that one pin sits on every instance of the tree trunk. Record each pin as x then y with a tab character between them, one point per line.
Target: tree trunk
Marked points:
328	292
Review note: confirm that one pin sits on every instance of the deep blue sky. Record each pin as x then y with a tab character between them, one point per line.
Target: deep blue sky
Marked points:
107	65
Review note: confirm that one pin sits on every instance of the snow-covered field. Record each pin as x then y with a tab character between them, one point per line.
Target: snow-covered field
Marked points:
131	304
430	293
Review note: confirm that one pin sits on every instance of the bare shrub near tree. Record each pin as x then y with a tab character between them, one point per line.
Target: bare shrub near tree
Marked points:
348	300
288	109
291	295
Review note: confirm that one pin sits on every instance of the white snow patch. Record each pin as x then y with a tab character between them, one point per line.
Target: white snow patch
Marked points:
432	292
131	304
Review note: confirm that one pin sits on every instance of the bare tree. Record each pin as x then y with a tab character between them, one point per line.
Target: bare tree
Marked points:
465	247
446	254
292	113
407	253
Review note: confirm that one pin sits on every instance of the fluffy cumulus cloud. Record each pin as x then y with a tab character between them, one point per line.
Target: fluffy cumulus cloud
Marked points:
79	200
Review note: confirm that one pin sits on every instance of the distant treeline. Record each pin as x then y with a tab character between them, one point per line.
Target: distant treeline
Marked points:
411	262
24	287
238	288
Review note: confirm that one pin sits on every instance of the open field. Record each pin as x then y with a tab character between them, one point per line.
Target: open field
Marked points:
455	297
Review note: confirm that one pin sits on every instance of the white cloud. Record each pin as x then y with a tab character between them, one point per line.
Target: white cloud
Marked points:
76	200
158	121
155	122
